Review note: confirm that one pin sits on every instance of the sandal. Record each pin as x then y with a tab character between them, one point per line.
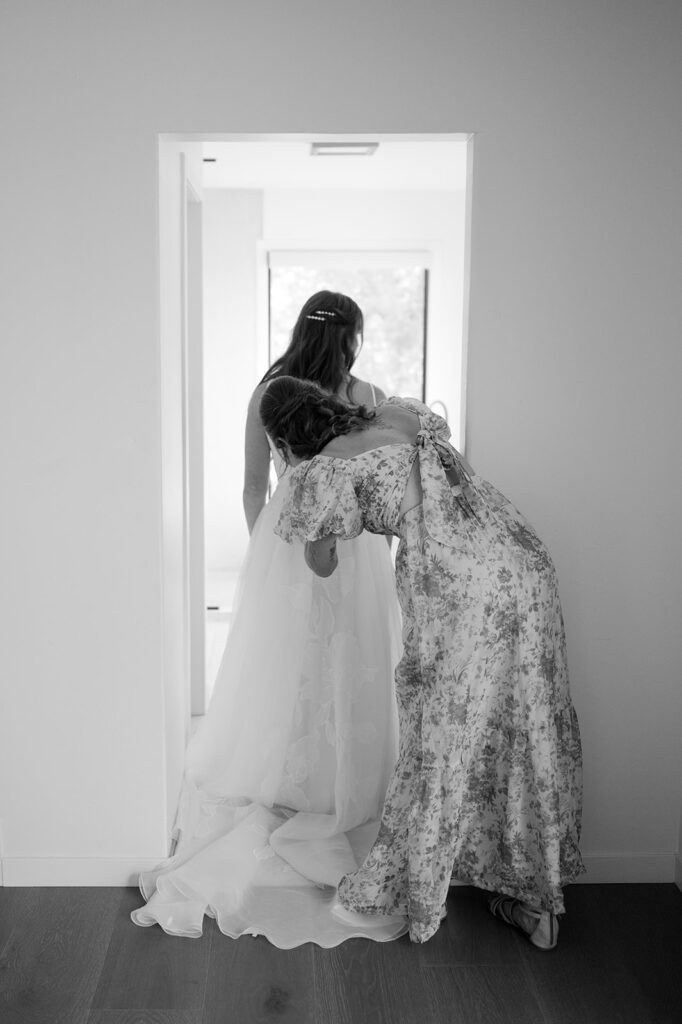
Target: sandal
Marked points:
545	933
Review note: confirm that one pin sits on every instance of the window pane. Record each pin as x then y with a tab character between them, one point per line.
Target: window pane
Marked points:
393	302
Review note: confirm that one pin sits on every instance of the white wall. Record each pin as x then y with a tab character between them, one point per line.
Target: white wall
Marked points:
232	228
574	364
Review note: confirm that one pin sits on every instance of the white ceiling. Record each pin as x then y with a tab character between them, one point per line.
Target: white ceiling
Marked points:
395	165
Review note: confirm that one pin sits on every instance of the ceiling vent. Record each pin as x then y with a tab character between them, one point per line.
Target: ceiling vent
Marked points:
343	148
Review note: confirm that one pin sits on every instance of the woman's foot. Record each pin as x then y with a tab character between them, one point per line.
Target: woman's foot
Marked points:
541	926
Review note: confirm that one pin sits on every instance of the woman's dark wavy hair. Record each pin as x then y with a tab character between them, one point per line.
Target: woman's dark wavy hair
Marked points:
303	416
322	346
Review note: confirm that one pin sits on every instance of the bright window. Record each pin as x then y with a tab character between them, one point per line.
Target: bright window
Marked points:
391	288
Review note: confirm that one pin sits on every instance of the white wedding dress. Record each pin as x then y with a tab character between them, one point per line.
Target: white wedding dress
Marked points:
286	774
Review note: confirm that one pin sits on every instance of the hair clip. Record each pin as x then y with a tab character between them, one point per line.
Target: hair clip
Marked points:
321	314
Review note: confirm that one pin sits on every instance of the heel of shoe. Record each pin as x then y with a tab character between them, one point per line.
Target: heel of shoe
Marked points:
546	933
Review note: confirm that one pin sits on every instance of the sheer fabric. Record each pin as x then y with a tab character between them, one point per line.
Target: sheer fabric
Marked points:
286	774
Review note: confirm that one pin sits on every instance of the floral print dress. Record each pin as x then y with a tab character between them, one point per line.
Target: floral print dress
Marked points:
487	787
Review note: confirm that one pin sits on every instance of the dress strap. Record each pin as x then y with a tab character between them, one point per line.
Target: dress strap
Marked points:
374	395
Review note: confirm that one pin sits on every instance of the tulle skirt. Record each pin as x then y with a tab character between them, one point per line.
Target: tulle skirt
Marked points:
286	774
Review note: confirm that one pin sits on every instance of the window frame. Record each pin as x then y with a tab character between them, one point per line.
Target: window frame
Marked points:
379	252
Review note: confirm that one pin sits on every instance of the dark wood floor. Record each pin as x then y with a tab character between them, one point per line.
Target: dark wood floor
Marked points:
72	956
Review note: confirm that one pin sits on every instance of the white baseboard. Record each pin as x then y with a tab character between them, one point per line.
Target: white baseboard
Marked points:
628	868
123	871
64	871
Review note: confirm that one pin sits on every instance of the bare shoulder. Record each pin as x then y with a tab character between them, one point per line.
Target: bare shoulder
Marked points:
365	393
259	391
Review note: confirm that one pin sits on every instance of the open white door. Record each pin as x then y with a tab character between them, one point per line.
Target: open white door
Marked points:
193	441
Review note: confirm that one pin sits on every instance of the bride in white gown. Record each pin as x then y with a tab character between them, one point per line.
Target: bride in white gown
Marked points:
286	774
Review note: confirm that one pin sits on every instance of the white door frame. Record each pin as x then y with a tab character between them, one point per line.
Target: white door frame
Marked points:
181	393
193	443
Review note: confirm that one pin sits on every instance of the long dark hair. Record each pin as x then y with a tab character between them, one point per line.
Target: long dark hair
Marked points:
304	417
322	346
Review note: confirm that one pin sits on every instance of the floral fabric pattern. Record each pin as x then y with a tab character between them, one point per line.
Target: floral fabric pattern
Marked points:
487	789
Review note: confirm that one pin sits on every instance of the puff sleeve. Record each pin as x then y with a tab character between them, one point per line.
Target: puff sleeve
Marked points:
320	500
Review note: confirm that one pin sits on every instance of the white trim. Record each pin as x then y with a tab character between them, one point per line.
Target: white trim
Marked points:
336	257
602	868
262	311
314	136
464	357
628	868
68	871
191	287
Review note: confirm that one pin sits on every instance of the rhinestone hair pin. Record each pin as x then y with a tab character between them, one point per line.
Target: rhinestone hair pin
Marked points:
321	314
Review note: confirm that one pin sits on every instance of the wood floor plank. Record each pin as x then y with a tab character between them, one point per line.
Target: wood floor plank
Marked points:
615	963
145	969
15	905
252	982
453	942
70	956
345	976
650	946
634	934
475	994
363	982
592	995
471	935
145	1017
52	957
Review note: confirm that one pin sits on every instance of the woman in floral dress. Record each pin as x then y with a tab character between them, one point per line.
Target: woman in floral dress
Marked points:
487	788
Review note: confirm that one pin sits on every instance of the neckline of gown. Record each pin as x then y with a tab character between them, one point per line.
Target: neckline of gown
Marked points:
367	451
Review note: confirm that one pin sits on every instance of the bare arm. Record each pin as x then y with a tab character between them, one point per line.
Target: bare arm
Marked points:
256	461
321	556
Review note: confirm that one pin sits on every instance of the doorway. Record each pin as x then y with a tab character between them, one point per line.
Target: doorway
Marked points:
264	202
